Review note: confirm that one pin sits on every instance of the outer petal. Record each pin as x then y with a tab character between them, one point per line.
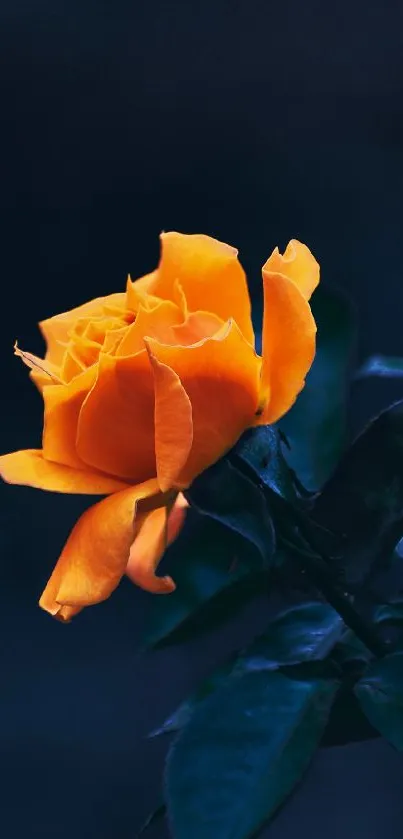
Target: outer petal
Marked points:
288	340
116	426
55	330
221	378
173	424
29	468
95	555
298	264
62	408
210	275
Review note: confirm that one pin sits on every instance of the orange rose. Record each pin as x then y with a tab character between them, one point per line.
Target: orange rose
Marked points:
145	389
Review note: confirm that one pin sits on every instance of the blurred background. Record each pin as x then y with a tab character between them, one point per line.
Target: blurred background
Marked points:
254	122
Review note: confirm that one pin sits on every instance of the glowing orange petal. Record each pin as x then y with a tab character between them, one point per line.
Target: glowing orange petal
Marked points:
288	345
29	468
298	264
45	372
116	426
173	423
211	277
146	551
221	378
96	553
62	408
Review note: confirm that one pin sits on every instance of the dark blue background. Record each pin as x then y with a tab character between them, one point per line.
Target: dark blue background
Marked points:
254	122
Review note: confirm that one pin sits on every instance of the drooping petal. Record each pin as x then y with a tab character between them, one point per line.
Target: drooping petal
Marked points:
221	378
211	277
298	264
115	431
288	343
173	423
29	468
96	553
146	551
62	408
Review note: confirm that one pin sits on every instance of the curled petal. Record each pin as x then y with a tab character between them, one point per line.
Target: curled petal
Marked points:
96	553
29	468
173	423
221	378
298	264
210	275
288	345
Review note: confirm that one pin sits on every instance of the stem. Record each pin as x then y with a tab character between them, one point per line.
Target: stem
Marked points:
318	566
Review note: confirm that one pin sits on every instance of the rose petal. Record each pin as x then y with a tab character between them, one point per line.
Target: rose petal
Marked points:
288	337
96	553
55	330
156	322
146	551
298	264
29	468
221	378
173	423
62	408
115	431
210	275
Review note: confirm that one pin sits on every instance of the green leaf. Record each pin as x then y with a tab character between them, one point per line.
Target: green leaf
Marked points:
390	612
207	561
262	450
306	632
316	425
390	367
231	498
242	752
363	500
380	693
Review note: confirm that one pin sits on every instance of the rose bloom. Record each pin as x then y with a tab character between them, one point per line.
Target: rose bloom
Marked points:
145	389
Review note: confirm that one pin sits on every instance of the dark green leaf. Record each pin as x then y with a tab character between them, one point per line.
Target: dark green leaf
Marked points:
207	560
306	632
380	693
229	497
262	450
390	367
363	500
315	426
242	752
390	612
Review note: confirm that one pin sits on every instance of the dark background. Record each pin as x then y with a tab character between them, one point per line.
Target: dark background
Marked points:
254	122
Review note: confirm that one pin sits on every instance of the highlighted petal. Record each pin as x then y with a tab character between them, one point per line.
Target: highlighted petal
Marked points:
298	264
211	277
96	553
221	378
146	551
288	338
173	423
29	468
